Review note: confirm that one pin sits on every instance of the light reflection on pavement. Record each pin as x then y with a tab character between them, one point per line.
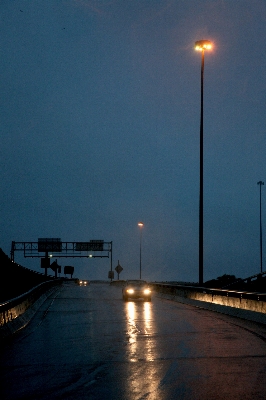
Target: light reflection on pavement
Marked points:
140	328
139	321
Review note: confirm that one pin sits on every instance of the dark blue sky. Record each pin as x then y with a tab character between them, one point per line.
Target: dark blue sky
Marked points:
100	112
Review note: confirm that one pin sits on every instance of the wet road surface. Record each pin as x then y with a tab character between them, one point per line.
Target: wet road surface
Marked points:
86	343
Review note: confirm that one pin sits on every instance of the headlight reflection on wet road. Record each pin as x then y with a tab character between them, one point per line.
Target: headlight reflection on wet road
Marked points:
141	354
139	330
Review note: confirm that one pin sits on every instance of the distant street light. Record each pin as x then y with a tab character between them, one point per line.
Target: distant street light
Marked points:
201	45
140	224
260	183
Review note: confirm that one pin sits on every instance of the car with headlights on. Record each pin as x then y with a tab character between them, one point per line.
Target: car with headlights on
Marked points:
136	289
83	283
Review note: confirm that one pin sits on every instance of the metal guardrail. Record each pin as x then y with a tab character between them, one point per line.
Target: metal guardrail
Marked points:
218	292
11	309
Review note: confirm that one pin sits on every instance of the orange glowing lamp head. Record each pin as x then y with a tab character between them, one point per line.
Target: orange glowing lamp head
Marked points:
202	45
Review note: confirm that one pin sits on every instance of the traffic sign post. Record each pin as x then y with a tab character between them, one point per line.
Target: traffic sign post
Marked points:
118	269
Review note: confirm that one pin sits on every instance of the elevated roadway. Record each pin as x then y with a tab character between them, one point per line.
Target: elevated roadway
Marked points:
86	343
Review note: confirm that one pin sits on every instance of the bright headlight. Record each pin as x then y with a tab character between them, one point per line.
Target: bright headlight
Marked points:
130	291
147	291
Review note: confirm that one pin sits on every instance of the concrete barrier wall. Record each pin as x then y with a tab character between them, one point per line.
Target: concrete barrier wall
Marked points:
16	313
245	305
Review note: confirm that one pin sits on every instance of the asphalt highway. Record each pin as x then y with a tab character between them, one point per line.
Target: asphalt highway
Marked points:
86	343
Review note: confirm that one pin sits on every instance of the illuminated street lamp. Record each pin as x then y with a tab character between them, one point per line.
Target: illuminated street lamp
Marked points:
201	45
260	183
140	224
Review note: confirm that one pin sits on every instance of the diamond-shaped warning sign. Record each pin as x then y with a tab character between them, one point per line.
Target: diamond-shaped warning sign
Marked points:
118	268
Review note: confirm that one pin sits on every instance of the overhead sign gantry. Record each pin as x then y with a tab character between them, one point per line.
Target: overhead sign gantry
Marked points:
54	247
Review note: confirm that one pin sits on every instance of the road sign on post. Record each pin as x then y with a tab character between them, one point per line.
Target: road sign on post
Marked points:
118	269
56	268
111	275
68	270
45	263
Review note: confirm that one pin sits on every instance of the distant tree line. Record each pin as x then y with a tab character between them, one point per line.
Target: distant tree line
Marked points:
230	282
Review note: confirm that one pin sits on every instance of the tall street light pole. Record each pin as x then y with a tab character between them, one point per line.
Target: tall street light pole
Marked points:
201	45
260	183
140	224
